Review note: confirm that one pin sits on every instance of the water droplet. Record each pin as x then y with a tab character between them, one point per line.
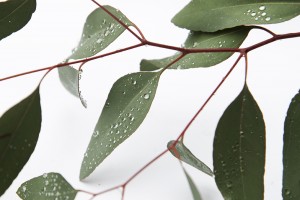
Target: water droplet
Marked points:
287	192
24	188
45	175
133	82
229	184
146	96
263	14
107	104
253	14
100	40
268	18
96	134
106	33
262	7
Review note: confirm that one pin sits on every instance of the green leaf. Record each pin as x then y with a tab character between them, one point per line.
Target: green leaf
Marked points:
19	131
49	186
14	15
68	76
229	38
239	150
127	105
181	152
195	192
291	151
99	31
214	15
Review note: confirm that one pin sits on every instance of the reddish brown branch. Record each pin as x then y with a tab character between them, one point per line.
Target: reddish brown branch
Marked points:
74	62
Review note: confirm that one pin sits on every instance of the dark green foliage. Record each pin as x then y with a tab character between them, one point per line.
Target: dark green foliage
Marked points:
239	150
126	107
229	38
19	130
49	186
14	15
291	152
214	15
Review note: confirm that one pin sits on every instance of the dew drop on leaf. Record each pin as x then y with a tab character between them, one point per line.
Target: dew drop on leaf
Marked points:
262	7
146	96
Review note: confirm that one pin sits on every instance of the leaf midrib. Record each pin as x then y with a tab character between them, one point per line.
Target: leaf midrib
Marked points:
15	10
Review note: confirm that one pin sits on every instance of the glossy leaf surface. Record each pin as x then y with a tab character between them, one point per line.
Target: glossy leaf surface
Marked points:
68	76
14	15
195	192
239	150
19	130
127	105
99	31
49	186
214	15
291	151
229	38
183	153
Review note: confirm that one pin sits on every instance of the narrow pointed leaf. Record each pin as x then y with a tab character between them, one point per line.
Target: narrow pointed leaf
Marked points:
239	150
214	15
291	151
14	15
49	186
126	106
68	76
19	131
229	38
181	152
99	31
195	192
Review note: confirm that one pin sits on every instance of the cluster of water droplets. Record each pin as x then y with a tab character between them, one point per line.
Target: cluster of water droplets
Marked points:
52	186
258	14
82	99
107	138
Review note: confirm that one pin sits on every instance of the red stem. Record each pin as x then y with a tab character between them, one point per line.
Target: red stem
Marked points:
209	98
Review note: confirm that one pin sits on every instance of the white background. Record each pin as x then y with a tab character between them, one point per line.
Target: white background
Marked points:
54	31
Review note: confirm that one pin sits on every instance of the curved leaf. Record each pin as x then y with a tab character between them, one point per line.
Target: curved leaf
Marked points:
239	150
14	15
229	38
49	186
99	31
195	192
19	131
182	153
291	151
127	105
68	76
214	15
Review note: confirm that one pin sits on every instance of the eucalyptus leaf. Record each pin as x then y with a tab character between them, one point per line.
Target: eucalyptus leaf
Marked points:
181	152
229	38
19	130
68	76
126	106
99	31
239	150
49	186
195	192
214	15
14	15
291	151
